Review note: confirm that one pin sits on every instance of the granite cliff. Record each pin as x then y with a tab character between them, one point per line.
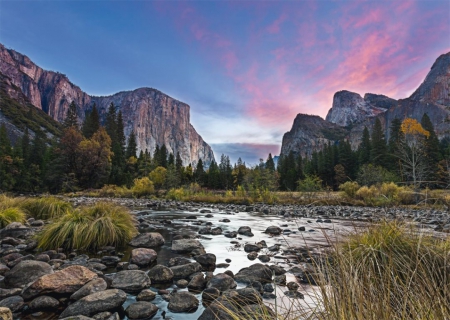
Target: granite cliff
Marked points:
155	117
350	113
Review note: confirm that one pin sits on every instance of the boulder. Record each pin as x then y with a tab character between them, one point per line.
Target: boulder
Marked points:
183	302
251	247
43	303
141	310
14	303
92	286
5	293
67	280
148	240
246	231
26	272
210	294
143	256
185	270
96	303
186	245
146	295
273	230
160	274
15	230
5	313
131	280
197	283
222	282
256	272
207	260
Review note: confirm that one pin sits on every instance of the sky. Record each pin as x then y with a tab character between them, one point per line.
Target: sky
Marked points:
246	68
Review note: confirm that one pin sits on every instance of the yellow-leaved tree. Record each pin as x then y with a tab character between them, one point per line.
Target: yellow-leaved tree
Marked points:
411	152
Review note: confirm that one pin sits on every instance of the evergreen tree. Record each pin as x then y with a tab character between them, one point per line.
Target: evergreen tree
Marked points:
270	164
226	173
364	148
71	119
171	161
131	146
378	145
199	174
91	123
163	156
431	145
396	138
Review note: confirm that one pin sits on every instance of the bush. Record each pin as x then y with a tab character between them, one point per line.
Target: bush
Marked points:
390	190
369	175
349	188
367	194
176	194
12	214
104	224
388	271
111	190
142	187
45	208
310	184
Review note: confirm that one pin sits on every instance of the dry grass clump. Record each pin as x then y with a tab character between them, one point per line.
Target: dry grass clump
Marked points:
45	207
90	227
388	271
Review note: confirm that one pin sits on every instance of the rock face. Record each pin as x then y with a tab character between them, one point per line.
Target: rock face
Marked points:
350	113
310	133
155	117
349	107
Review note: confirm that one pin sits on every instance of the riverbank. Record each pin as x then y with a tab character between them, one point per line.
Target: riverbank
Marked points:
188	252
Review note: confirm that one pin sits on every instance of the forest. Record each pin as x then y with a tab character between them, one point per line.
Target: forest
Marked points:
92	155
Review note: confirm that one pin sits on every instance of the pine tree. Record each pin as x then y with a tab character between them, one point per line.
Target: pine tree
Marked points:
71	119
270	164
431	145
378	145
396	138
91	123
5	143
163	156
364	148
199	174
131	146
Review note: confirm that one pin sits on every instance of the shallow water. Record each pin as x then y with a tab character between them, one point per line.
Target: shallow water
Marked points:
316	237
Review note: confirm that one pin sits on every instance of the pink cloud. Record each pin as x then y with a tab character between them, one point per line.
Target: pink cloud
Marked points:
276	25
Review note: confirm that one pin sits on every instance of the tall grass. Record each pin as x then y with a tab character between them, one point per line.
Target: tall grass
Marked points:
90	227
388	271
45	207
10	215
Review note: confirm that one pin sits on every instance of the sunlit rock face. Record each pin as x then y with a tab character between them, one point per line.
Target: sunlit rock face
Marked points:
350	108
155	117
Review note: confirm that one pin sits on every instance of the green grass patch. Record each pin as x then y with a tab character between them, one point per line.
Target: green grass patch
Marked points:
9	215
45	207
89	228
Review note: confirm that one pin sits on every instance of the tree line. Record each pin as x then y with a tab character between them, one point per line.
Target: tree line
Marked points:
91	154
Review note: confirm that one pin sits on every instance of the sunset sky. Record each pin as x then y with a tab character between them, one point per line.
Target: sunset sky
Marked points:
246	68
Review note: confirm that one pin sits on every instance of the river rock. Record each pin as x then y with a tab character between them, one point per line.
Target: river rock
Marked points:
186	245
131	280
146	295
91	287
5	313
148	240
197	283
273	230
183	302
43	303
15	230
160	274
210	294
141	310
256	272
143	256
185	270
96	303
248	296
246	231
5	293
207	260
26	272
14	303
251	247
67	280
222	282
